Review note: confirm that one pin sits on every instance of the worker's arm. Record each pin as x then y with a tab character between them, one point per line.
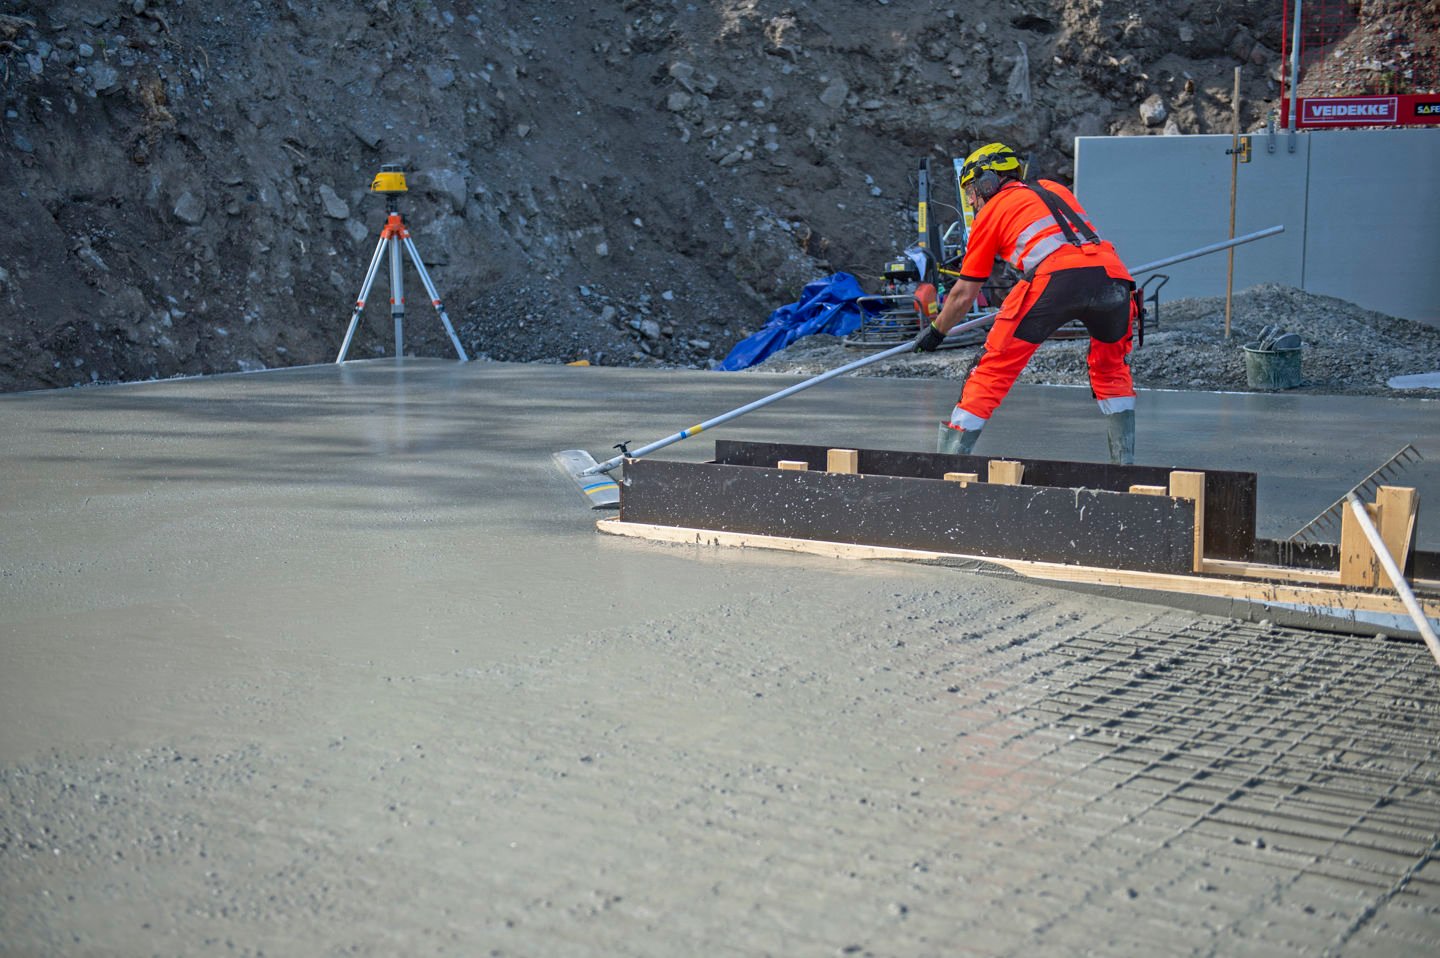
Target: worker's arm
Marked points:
957	304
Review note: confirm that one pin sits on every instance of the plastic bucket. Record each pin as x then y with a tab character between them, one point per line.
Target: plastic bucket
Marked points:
1271	368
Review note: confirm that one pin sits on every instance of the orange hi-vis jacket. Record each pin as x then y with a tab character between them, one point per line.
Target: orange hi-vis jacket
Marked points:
1017	226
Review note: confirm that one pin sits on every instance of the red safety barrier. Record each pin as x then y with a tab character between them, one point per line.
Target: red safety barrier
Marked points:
1372	64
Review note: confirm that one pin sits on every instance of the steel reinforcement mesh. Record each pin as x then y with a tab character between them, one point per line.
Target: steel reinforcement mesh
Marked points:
1313	756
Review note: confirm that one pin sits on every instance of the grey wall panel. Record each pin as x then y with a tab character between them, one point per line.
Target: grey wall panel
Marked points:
1374	235
1155	196
1359	208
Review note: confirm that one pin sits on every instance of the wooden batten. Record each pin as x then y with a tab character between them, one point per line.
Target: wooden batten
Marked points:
964	478
1149	490
1006	472
1191	485
1320	595
793	465
842	460
1399	506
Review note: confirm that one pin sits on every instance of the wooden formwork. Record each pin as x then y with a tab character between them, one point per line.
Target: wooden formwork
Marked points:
1146	528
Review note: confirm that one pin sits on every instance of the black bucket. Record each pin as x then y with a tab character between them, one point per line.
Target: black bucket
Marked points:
1271	368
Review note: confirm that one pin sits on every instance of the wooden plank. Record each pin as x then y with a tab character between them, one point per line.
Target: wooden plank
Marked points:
964	478
1138	490
1081	526
796	465
1269	573
1399	506
1191	485
1230	497
842	460
1288	594
1358	563
1006	472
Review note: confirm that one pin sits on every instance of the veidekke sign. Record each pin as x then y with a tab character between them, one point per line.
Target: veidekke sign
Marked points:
1407	110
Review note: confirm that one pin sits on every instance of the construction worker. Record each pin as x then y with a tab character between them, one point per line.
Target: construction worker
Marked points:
1067	272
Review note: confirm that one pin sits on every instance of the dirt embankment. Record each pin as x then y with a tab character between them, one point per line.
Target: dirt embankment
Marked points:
630	182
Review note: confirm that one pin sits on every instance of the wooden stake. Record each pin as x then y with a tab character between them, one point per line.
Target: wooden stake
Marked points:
1191	485
797	465
1359	566
842	460
1399	505
1006	472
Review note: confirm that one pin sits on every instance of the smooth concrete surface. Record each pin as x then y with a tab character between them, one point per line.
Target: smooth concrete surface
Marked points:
331	660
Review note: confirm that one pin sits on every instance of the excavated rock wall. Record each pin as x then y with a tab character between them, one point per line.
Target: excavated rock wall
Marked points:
623	182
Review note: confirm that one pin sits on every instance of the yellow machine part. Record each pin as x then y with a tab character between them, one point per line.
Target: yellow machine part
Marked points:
388	181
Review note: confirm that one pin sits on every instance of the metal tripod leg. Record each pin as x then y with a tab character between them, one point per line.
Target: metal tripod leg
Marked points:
360	302
435	298
397	298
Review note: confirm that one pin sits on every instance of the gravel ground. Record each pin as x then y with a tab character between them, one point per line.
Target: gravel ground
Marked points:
1347	350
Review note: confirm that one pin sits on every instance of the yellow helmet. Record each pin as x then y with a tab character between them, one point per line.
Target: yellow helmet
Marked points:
994	158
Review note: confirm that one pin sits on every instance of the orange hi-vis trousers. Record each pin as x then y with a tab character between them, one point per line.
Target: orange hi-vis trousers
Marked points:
1032	312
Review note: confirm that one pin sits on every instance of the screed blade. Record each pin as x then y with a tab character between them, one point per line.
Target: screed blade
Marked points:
602	491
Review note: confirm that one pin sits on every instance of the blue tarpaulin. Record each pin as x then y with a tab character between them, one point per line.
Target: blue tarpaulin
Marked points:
825	306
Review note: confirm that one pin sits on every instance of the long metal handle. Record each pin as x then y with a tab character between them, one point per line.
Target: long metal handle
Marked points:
609	464
1397	578
1202	251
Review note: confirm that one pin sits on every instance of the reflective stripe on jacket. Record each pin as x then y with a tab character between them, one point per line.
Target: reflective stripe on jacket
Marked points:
1018	227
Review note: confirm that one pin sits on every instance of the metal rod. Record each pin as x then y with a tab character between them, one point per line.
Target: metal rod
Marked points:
1295	74
435	297
609	464
397	297
1202	251
364	294
1397	578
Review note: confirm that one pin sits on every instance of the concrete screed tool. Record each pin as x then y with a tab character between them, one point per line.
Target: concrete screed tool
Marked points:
603	491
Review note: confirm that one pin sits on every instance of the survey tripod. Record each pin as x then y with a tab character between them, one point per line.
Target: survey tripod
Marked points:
391	182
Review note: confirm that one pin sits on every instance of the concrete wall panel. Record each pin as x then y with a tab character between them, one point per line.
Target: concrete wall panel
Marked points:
1374	234
1359	208
1156	196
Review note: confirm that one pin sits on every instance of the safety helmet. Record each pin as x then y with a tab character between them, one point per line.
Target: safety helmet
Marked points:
993	159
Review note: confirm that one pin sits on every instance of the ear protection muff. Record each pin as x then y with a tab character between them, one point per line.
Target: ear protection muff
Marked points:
986	169
987	184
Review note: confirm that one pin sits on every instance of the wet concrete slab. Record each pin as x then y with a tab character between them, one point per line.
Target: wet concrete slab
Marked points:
332	659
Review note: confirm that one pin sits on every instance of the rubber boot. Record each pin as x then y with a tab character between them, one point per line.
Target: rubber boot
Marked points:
1120	432
956	441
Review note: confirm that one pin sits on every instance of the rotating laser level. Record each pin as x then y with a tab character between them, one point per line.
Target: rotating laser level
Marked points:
390	179
390	182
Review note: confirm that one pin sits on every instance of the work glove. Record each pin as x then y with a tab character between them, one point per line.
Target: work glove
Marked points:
929	339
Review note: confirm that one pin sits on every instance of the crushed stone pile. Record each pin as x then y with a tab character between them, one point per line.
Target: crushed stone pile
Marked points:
1347	350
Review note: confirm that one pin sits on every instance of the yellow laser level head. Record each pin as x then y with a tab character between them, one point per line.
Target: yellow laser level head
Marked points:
390	179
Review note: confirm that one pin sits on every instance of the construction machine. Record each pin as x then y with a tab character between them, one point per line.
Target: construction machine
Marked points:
913	284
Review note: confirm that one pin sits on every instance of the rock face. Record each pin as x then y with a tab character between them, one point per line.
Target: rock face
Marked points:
193	174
